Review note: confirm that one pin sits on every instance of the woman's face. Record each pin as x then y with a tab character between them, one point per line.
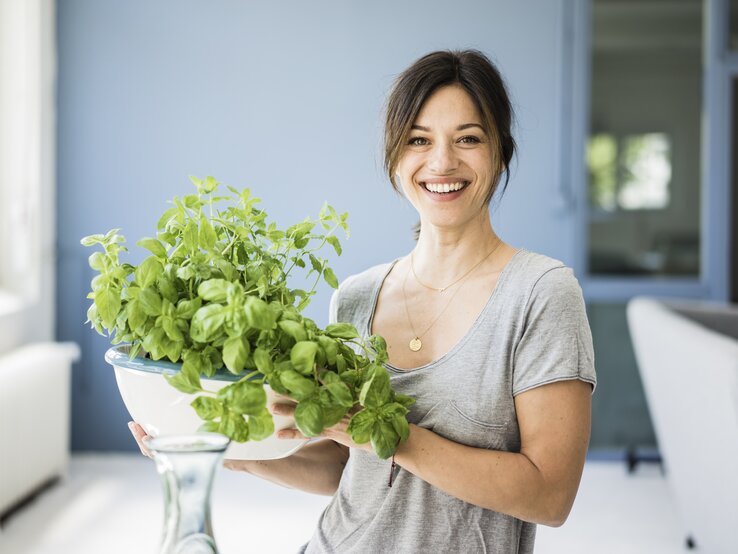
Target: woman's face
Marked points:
446	169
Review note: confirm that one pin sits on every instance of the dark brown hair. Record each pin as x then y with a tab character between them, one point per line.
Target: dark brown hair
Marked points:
479	77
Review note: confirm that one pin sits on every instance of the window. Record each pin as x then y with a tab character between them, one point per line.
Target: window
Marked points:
26	153
644	143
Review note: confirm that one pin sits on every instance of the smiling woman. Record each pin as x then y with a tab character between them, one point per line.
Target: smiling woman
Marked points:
492	341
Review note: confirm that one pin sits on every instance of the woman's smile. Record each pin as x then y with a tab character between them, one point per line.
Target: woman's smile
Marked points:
444	190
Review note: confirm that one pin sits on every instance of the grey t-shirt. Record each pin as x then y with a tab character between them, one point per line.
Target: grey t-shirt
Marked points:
532	331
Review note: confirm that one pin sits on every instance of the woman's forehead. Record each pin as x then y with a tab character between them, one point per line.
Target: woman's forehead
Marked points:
451	106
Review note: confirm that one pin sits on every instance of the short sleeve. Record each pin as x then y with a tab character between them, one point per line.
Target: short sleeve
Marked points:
556	341
333	308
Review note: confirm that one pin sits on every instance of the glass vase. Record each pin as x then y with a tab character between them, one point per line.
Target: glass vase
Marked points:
186	466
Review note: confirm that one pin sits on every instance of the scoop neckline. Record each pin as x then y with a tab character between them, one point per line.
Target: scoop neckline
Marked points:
460	343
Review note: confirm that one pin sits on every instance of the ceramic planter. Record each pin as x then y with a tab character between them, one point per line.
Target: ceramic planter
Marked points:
162	410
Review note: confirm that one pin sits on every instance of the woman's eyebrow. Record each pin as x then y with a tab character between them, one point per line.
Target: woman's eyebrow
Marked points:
459	128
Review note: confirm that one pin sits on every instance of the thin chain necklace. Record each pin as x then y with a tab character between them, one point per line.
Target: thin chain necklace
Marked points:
416	344
475	266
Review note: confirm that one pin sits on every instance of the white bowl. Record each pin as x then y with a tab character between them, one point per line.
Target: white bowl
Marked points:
163	410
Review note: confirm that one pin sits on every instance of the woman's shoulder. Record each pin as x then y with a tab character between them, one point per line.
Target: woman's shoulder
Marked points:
357	290
543	276
366	279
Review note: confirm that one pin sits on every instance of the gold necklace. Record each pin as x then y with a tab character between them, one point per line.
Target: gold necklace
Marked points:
415	343
412	266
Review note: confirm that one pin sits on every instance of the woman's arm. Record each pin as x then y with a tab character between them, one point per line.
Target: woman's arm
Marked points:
315	468
538	484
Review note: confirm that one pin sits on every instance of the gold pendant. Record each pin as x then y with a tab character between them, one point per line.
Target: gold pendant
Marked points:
415	344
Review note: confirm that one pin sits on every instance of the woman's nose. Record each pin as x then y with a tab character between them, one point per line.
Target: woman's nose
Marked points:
442	158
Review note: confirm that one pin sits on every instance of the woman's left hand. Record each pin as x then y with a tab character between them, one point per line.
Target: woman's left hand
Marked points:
337	433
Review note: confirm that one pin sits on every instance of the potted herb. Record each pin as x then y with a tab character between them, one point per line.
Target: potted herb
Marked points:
212	303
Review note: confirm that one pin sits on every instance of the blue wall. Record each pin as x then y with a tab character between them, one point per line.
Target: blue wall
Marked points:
283	97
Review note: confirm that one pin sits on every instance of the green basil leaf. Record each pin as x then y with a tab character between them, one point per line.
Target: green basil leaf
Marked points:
293	329
150	302
263	361
208	237
92	240
207	322
173	350
330	277
330	348
341	393
302	356
136	316
173	332
154	246
190	236
148	272
97	261
187	380
317	263
405	400
108	305
186	272
299	386
234	426
261	426
384	439
258	314
235	353
207	407
209	427
210	185
244	397
309	418
361	424
186	308
213	290
182	384
376	391
401	427
332	414
153	343
167	289
380	348
344	331
333	241
166	217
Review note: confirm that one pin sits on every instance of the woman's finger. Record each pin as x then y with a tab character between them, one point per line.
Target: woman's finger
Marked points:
290	433
140	435
280	408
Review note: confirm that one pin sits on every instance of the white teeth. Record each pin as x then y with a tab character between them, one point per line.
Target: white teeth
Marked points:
446	187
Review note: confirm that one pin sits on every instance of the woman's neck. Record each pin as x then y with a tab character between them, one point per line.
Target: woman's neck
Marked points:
443	253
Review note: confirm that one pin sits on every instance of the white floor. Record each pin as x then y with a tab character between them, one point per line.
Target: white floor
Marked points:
112	504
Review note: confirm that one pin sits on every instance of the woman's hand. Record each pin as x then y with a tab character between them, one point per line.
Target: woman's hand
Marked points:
140	435
337	433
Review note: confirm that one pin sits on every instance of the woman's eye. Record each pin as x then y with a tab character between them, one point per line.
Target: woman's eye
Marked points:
470	139
417	141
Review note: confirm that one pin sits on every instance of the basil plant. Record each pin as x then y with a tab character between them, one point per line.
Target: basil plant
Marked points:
213	295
